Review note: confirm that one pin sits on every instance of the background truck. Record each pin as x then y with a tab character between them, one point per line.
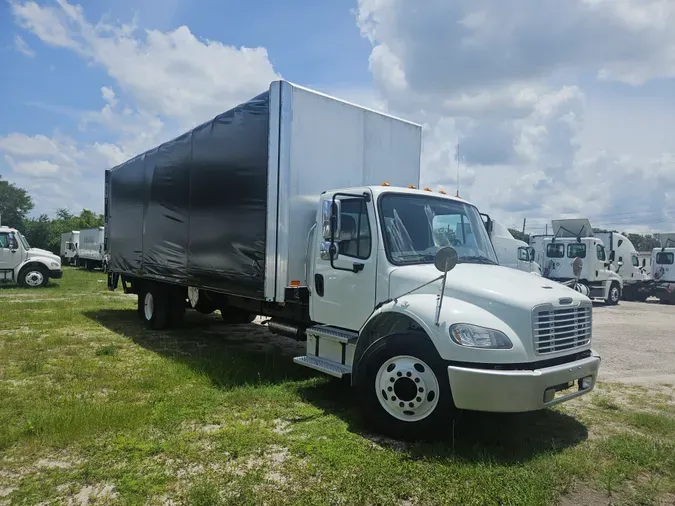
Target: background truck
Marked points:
90	253
295	206
663	272
69	247
574	239
637	280
512	252
19	263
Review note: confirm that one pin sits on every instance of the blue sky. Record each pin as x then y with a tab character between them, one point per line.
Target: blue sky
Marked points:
565	109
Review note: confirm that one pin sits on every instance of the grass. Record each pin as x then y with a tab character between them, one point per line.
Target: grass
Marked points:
96	409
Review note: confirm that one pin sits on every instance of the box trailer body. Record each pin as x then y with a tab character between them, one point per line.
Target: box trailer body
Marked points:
90	251
305	209
228	206
69	246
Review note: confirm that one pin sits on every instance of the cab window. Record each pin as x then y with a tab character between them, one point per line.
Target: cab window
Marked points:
555	250
665	258
576	250
355	234
601	252
636	262
4	240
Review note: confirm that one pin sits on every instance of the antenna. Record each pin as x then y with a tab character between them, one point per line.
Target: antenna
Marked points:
457	167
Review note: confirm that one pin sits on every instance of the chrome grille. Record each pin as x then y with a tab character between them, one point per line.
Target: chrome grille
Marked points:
560	329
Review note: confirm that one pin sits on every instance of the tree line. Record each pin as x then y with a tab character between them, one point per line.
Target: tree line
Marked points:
42	232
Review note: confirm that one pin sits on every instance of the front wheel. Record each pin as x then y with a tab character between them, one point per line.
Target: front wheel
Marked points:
33	277
614	294
403	387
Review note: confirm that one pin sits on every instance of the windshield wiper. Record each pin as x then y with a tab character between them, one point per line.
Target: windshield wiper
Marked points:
420	257
477	260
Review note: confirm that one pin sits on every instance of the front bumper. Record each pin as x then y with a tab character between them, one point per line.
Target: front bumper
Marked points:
56	274
518	391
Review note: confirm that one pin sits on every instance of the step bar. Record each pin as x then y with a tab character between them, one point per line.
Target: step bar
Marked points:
324	365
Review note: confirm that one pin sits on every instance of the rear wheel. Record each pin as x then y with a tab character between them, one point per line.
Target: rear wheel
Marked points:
200	300
155	308
403	387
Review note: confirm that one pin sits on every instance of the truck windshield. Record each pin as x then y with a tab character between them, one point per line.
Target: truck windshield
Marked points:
416	227
23	241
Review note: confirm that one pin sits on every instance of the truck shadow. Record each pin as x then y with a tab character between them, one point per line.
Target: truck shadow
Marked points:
237	355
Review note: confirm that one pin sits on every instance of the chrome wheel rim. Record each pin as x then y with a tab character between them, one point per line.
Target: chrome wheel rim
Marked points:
614	294
34	278
407	388
149	306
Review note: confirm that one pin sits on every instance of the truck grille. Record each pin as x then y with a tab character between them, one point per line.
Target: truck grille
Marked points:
562	329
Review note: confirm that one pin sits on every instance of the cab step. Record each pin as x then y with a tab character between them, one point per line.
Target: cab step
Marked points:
333	334
324	365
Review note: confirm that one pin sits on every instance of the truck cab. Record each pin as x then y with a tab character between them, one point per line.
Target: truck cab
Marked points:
498	338
625	261
663	272
26	266
510	251
70	247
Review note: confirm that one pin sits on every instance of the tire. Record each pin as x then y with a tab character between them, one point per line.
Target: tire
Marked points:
200	301
235	316
176	307
33	276
156	308
614	294
394	371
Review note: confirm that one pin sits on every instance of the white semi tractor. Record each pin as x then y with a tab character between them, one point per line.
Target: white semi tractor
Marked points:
637	279
23	265
69	247
512	252
295	206
573	255
663	271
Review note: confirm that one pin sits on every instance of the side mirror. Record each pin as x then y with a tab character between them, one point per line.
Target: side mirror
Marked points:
611	256
620	263
331	212
523	254
531	250
446	259
644	262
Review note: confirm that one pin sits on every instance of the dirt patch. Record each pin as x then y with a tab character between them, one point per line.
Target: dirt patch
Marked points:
53	464
95	493
583	495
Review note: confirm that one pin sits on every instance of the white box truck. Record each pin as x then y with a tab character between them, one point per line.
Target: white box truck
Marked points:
296	206
26	266
574	256
90	252
69	247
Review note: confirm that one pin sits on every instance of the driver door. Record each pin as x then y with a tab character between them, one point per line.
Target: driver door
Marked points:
6	257
343	294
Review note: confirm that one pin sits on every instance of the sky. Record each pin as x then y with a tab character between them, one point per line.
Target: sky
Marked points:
560	109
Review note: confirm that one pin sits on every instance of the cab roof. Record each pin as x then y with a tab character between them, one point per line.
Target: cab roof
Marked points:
411	190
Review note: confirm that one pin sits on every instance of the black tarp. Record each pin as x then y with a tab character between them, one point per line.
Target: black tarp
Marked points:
193	210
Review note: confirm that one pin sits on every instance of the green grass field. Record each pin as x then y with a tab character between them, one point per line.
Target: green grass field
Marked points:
94	409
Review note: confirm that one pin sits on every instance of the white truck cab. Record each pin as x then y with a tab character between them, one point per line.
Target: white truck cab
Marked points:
512	252
663	272
480	337
573	244
70	243
625	261
19	263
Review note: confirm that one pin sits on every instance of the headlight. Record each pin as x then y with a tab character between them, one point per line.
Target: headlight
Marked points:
54	265
474	336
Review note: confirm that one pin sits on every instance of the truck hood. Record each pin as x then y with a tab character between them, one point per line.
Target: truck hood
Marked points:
37	252
486	286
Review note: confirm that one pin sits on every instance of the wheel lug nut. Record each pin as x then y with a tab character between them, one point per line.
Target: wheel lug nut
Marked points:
389	389
408	374
399	374
417	380
419	399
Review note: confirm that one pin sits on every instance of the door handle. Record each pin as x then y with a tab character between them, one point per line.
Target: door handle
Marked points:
357	267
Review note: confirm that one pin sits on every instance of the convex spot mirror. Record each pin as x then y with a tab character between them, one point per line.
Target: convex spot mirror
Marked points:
446	259
330	214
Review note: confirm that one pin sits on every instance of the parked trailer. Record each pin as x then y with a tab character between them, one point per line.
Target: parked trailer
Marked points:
69	247
573	242
294	206
91	254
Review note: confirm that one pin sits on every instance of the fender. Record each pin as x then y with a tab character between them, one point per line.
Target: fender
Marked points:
415	313
29	261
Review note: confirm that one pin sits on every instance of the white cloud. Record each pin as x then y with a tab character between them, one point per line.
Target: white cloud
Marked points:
492	74
161	83
22	46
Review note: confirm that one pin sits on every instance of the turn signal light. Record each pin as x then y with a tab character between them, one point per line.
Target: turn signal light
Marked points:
427	189
411	186
442	192
295	283
385	184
